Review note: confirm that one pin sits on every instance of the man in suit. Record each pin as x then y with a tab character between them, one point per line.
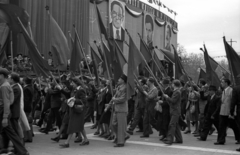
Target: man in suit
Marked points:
6	129
15	107
119	121
211	112
164	116
28	104
117	16
175	112
224	112
235	105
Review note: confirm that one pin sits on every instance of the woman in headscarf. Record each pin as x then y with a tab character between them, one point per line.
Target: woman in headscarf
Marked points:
77	104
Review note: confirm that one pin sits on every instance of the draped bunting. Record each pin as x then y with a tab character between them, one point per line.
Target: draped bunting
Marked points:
65	12
175	31
133	10
159	22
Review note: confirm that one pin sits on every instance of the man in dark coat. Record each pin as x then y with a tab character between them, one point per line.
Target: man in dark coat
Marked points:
211	112
164	116
15	107
28	104
235	104
175	112
56	103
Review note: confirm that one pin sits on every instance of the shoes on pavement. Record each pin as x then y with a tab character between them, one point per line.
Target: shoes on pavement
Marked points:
130	132
79	140
56	139
211	131
162	138
201	139
126	138
144	136
96	133
167	142
238	142
238	150
119	145
218	143
187	131
197	135
64	145
94	126
84	143
194	132
139	131
178	142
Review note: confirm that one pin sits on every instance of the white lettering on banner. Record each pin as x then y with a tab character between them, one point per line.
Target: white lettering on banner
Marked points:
156	4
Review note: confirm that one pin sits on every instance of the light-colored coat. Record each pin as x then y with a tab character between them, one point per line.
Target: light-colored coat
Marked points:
226	102
120	102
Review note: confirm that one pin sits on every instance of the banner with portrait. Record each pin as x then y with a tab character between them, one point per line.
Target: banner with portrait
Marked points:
148	29
117	19
168	37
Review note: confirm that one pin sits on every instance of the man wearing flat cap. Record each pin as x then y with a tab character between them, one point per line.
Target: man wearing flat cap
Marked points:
211	112
6	129
120	107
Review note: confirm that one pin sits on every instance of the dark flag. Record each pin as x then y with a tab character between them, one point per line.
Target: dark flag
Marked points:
212	78
40	65
96	61
159	65
134	59
3	57
202	75
59	44
76	56
233	61
14	11
101	25
120	62
179	70
145	51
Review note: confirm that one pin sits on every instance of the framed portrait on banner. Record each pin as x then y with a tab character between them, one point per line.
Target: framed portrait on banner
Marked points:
117	19
167	37
148	27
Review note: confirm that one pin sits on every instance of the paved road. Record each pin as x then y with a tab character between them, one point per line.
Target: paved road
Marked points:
42	145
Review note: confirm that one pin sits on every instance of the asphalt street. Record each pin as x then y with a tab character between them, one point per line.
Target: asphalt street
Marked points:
42	145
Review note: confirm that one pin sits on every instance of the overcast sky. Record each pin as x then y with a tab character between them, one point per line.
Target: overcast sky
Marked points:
207	21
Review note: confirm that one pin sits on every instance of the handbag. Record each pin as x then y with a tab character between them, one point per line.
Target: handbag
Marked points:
192	108
78	108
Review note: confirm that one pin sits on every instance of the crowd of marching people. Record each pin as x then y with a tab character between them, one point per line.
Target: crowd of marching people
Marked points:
66	103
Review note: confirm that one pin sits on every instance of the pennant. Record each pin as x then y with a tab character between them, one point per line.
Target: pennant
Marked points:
212	78
14	11
40	65
59	45
233	61
76	56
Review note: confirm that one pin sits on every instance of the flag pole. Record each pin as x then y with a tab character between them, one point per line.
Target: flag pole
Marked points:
11	48
104	54
80	44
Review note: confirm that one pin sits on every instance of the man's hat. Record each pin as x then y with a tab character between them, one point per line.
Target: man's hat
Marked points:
212	88
4	71
124	77
166	81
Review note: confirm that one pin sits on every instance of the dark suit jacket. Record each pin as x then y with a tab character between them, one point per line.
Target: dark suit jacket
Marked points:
213	106
56	95
175	102
235	100
28	98
112	34
165	104
15	107
106	98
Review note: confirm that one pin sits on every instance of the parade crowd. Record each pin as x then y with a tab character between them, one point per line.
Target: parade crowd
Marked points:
67	102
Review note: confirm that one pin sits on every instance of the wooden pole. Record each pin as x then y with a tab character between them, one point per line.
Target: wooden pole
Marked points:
11	48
